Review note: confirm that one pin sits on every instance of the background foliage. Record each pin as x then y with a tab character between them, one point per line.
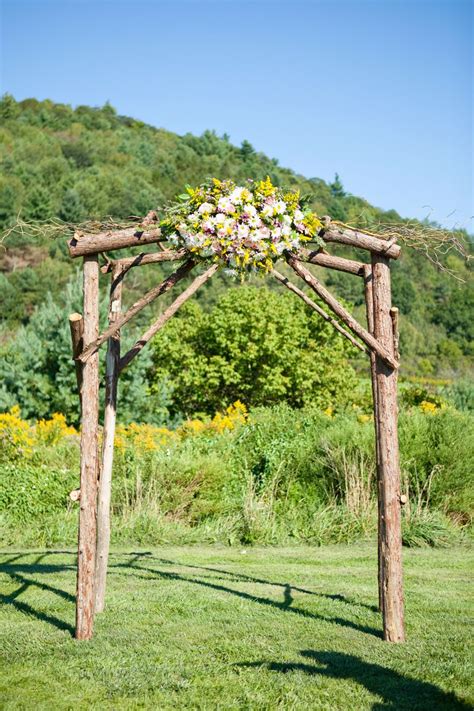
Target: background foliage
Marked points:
282	476
88	162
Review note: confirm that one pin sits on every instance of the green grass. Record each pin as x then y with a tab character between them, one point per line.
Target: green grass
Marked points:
220	628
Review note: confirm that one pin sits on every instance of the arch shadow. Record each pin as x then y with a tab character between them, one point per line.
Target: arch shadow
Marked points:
399	692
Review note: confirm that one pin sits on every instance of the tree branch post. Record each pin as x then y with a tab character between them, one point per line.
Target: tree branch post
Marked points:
89	458
386	420
369	305
110	414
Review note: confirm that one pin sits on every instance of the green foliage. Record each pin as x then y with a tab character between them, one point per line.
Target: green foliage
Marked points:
256	346
37	372
88	163
286	476
427	528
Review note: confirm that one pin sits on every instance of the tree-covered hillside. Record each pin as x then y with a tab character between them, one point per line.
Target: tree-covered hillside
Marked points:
88	163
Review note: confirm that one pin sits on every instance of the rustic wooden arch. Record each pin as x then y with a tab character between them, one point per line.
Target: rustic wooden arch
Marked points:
379	341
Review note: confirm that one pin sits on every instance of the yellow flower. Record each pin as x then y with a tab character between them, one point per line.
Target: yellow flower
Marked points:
428	407
16	436
53	430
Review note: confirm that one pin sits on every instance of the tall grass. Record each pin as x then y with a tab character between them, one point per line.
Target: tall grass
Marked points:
285	476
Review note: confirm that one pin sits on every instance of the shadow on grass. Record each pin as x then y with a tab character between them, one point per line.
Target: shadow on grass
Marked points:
399	692
13	568
25	583
285	605
237	577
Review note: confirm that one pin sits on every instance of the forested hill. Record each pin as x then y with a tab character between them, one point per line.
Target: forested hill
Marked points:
88	163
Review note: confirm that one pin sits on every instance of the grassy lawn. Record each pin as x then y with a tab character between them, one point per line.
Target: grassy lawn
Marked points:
219	628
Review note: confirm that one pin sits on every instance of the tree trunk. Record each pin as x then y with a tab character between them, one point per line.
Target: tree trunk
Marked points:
105	481
89	458
386	418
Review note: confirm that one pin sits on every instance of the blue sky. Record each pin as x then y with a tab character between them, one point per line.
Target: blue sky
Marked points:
378	90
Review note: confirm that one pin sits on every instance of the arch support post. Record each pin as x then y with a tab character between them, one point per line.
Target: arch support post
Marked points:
89	457
105	479
388	464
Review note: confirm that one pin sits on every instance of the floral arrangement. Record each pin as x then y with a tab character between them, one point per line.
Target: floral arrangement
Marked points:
242	228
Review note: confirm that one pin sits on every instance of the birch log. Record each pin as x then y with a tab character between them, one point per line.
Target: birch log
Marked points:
105	480
167	255
369	305
386	415
355	238
89	458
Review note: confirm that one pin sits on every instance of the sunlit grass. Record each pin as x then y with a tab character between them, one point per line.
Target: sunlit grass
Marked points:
228	628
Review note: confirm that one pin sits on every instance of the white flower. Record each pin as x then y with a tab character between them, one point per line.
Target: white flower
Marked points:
225	205
240	195
243	231
208	226
250	210
263	233
286	219
206	208
286	231
254	222
267	210
298	216
280	207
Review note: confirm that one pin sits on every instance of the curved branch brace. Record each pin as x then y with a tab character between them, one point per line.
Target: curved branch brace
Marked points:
165	316
340	311
150	296
284	280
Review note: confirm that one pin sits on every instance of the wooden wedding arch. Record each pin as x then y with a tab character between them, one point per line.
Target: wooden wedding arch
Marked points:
379	340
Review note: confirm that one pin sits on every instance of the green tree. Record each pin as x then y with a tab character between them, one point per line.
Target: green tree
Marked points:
37	372
336	187
255	345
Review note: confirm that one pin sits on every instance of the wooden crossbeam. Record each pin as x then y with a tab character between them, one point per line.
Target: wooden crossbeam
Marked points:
150	296
167	255
83	244
289	285
323	259
355	238
341	312
166	315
